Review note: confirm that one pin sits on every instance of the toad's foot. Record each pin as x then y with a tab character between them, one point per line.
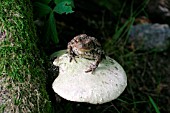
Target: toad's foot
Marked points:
91	68
72	57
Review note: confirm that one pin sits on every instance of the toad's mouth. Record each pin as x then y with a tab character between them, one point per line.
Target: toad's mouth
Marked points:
85	49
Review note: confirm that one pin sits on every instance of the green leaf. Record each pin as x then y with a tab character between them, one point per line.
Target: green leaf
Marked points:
44	1
59	1
51	29
42	9
58	53
64	7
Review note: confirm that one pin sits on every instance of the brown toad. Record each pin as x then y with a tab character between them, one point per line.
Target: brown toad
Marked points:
86	47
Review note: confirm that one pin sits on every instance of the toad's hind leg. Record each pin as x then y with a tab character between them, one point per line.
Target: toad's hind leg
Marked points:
93	66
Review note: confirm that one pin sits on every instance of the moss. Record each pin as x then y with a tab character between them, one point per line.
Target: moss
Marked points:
22	77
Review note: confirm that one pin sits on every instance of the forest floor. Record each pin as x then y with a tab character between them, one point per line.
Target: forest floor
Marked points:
147	72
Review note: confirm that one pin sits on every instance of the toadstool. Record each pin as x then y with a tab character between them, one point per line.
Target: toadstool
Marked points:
105	84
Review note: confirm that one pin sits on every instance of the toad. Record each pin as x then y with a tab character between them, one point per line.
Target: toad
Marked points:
86	47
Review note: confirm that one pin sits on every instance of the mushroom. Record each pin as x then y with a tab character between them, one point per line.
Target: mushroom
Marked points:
106	83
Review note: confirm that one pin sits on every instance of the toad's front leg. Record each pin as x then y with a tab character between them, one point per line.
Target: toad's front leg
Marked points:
71	53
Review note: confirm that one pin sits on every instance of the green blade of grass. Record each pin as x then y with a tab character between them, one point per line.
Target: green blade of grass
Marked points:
154	104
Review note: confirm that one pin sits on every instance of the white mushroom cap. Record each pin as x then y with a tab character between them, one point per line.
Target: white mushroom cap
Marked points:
106	83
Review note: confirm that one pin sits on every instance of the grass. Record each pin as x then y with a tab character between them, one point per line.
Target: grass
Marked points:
147	72
154	105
